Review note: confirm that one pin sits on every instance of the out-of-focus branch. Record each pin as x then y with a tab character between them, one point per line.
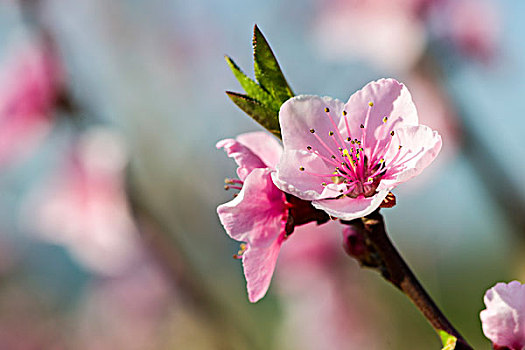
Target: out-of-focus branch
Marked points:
485	164
229	331
387	260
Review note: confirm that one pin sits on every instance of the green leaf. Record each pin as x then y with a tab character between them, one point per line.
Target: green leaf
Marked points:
252	89
448	341
263	115
267	70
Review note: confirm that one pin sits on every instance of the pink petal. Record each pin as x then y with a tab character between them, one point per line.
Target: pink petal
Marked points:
259	265
263	145
297	116
420	146
245	158
391	99
257	215
504	319
347	208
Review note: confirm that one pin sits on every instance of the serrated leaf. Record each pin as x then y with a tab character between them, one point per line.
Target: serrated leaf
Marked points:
448	341
268	118
252	89
267	70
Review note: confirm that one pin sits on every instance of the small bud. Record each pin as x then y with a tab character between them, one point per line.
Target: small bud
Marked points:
354	242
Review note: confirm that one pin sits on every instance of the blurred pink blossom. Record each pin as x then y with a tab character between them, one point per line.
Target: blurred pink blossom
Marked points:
435	109
393	35
325	305
346	158
30	81
471	26
504	318
84	207
389	34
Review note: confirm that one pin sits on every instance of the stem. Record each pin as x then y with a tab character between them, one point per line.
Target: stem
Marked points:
394	269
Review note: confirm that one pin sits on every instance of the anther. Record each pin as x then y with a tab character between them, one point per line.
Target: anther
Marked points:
226	187
331	133
362	126
309	148
228	181
241	251
385	119
323	184
326	109
345	113
371	104
348	139
340	149
333	157
400	146
312	131
392	133
301	168
341	191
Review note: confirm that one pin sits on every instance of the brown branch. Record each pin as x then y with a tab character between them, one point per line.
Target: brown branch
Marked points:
394	269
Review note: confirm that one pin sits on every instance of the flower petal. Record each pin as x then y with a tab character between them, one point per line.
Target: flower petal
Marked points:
347	208
258	214
504	319
420	146
298	116
259	265
264	145
245	158
391	99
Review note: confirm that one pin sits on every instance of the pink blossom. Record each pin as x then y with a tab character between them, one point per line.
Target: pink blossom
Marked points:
504	318
258	214
30	81
346	158
84	208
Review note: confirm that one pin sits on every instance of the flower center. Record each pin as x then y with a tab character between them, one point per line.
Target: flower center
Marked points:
357	165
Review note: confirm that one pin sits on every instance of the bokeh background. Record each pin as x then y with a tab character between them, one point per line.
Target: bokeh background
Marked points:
109	115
